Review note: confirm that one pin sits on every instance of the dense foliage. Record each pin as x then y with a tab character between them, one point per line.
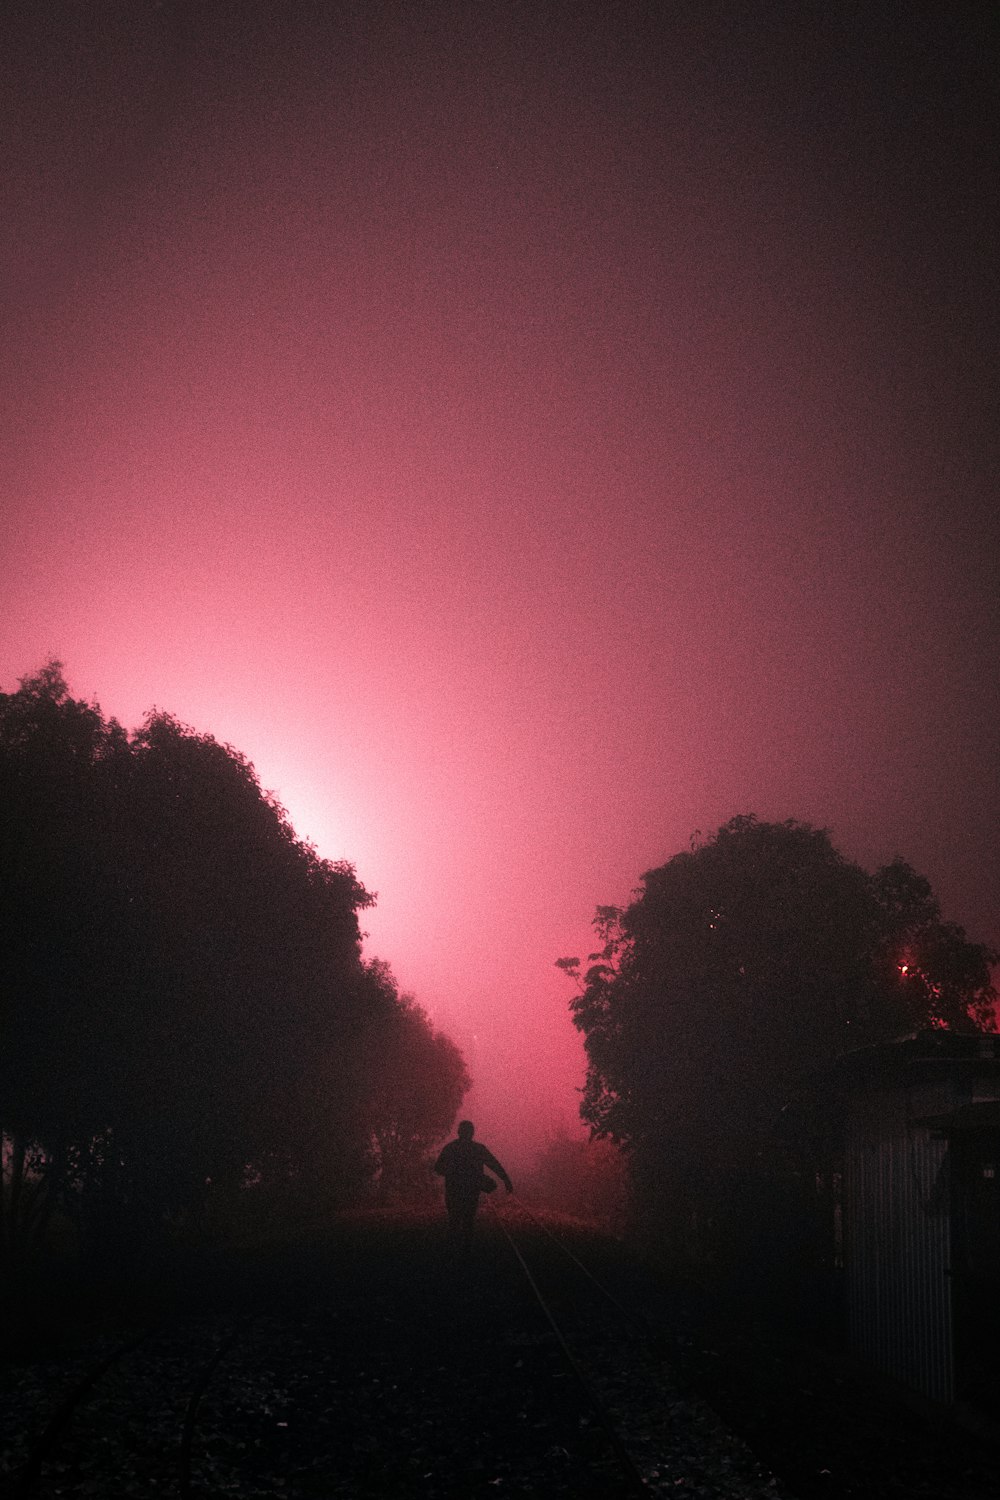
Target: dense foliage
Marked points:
185	1007
740	968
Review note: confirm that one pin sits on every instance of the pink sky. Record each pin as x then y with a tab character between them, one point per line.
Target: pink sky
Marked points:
530	433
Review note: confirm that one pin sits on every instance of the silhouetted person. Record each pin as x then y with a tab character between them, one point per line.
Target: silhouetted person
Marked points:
462	1164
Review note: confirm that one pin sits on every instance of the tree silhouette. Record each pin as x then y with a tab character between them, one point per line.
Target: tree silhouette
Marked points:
741	966
58	760
185	1004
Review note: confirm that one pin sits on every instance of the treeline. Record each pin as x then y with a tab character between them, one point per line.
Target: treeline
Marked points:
187	1018
585	1179
713	1008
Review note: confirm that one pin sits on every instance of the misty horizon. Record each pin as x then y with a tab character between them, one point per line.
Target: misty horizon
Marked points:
531	435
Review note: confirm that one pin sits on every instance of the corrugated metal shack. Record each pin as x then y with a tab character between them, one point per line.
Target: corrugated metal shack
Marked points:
921	1212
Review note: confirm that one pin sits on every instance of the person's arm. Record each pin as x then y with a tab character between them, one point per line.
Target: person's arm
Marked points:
490	1161
441	1165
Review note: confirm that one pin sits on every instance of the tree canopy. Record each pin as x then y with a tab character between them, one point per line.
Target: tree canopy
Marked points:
184	997
745	963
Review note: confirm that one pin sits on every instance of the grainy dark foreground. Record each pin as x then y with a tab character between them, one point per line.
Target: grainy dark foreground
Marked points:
372	1365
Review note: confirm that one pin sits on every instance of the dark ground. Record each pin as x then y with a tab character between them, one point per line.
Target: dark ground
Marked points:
370	1364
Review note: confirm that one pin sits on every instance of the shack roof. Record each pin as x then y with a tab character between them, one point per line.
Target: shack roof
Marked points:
924	1054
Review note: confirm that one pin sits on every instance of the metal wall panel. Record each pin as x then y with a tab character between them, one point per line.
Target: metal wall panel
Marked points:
897	1243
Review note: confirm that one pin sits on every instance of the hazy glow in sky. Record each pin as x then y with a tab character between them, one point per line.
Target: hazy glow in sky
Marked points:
531	432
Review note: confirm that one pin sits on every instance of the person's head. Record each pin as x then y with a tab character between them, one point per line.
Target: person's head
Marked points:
466	1130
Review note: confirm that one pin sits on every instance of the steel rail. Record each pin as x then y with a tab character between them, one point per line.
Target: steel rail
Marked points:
637	1484
45	1443
639	1323
184	1487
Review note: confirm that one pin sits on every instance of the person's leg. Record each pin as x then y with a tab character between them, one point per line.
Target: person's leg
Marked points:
453	1207
461	1212
468	1219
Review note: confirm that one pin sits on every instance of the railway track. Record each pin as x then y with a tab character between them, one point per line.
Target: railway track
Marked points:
633	1478
383	1369
662	1439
